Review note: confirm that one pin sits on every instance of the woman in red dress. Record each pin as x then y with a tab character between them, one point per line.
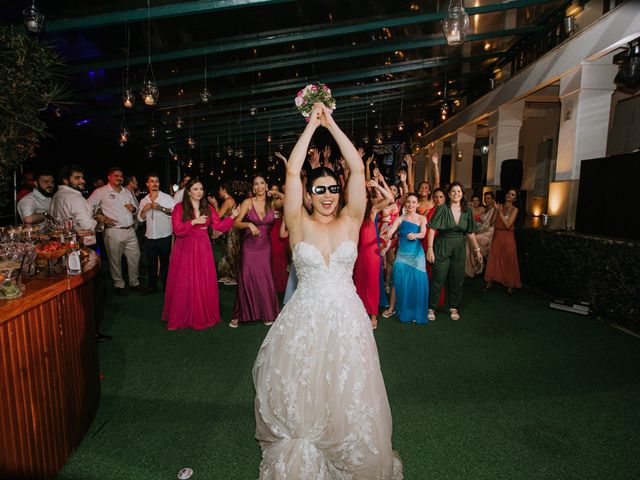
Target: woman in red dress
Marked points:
502	264
366	271
191	296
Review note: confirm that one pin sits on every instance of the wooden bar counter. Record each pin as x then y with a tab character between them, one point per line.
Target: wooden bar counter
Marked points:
49	386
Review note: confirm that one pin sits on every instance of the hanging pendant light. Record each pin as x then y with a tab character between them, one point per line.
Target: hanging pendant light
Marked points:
205	94
33	19
444	110
124	136
150	91
456	24
128	98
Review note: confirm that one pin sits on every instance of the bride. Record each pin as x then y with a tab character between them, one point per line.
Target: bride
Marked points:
321	407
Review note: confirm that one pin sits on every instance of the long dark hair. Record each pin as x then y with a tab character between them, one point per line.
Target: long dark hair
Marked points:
463	202
187	206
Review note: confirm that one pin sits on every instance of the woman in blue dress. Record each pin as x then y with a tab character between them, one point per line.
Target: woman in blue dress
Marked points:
410	292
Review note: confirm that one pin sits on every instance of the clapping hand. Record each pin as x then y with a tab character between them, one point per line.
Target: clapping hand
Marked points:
402	175
434	158
408	159
254	230
281	157
212	201
314	159
372	183
200	220
326	155
235	211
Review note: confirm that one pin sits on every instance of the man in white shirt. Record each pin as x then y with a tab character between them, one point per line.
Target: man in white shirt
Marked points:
68	202
179	195
34	205
155	210
118	207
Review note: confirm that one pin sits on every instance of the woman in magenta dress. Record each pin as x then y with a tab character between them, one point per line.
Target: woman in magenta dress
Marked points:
256	297
191	296
279	247
366	271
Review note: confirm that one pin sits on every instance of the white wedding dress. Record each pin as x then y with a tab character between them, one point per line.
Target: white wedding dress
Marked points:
321	406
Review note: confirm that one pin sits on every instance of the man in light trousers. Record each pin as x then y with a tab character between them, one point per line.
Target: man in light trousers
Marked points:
118	207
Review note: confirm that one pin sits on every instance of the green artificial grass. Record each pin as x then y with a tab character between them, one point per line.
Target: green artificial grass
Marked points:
513	390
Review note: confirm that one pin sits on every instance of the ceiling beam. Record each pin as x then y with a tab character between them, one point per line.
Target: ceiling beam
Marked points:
310	32
156	12
289	60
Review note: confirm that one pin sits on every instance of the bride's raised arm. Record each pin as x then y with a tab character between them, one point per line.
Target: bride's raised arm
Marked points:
357	194
293	209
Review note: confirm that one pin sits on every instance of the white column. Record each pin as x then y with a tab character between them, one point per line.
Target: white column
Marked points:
462	145
585	96
504	139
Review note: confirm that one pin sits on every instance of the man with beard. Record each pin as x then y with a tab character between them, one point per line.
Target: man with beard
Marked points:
34	205
68	202
118	206
155	210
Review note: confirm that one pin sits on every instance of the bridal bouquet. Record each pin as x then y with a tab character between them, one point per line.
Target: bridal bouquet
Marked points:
311	94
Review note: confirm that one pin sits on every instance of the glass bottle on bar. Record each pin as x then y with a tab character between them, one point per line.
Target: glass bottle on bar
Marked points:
74	265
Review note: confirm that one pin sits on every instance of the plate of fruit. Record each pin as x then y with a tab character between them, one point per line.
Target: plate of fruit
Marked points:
51	250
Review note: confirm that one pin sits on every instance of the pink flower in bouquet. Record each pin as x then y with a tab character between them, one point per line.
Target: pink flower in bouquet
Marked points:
299	101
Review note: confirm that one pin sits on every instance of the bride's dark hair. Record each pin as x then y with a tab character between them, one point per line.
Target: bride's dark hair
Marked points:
320	172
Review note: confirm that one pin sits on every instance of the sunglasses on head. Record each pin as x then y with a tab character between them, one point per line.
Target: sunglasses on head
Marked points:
320	189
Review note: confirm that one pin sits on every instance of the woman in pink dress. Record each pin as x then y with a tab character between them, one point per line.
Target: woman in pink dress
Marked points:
366	271
279	247
256	297
502	264
191	296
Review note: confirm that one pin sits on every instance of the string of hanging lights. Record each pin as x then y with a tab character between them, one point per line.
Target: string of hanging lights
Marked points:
150	91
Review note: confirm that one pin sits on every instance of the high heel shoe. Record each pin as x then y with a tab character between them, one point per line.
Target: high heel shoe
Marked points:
388	313
431	315
454	314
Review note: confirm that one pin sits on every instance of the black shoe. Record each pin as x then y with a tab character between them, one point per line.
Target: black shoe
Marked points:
136	288
122	292
149	291
103	338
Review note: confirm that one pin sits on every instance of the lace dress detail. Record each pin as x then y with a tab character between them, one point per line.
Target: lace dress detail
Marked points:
321	407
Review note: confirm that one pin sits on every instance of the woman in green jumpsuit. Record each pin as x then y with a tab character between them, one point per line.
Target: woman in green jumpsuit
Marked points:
447	253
